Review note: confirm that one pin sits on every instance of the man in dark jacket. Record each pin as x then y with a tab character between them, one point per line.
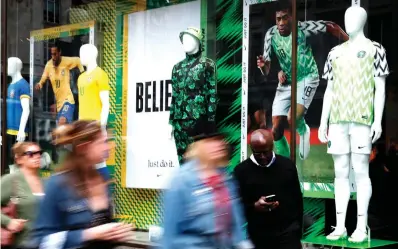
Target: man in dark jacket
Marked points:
271	195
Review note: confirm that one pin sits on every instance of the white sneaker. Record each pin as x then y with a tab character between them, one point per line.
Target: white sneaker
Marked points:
305	143
337	235
358	236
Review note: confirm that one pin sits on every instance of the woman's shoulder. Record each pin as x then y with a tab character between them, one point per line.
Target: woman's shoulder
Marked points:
11	176
56	179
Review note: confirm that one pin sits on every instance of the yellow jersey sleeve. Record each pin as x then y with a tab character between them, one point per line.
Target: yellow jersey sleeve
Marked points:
75	62
45	74
103	81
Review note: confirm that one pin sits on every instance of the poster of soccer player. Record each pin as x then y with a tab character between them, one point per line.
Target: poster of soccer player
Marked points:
55	68
269	78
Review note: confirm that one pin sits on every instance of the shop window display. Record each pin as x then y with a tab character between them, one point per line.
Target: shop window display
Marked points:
322	30
73	56
198	77
100	27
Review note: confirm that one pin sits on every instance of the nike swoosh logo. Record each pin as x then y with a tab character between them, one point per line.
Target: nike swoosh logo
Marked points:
361	147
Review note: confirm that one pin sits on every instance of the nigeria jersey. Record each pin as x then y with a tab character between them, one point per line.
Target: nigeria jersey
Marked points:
15	93
282	46
352	70
194	84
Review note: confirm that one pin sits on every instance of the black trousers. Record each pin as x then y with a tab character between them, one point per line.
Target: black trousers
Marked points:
285	241
11	140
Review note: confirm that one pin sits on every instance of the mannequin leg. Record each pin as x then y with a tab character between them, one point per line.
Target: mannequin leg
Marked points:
11	140
181	137
342	193
361	145
360	164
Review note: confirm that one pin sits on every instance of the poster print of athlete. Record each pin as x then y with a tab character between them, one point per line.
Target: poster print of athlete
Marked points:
278	39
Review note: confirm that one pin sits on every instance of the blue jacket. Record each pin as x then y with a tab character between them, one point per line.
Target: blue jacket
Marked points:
189	213
62	216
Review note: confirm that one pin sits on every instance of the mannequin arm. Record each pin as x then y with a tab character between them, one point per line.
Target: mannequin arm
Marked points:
211	85
173	95
24	118
379	101
104	96
380	97
327	104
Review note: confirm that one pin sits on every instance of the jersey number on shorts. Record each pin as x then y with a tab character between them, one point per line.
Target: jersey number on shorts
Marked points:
308	91
57	83
282	53
65	109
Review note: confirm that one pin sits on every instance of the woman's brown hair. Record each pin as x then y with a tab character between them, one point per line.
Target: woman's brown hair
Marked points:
75	134
19	149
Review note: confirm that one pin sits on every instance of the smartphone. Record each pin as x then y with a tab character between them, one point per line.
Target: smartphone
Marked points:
270	198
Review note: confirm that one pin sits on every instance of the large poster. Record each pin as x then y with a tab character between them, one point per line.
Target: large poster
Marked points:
61	45
154	48
266	91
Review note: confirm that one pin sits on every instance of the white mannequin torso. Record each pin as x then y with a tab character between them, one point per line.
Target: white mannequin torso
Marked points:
88	58
14	71
190	46
355	19
354	164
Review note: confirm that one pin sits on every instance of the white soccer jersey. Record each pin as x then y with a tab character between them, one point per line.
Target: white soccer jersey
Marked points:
352	70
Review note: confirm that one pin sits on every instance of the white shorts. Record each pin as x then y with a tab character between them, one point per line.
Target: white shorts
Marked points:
306	89
349	137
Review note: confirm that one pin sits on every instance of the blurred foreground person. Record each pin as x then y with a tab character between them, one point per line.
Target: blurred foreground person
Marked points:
271	195
76	211
24	188
202	209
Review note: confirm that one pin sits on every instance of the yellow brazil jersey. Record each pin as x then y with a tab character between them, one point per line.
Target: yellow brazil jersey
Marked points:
90	85
60	79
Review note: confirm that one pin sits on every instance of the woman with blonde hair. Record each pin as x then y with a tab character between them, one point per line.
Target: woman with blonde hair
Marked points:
25	188
76	211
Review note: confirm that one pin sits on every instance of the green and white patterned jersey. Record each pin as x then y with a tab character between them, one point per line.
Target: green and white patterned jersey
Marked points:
353	73
282	46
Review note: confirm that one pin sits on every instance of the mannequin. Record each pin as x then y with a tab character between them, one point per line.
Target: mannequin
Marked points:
93	86
353	108
18	106
194	87
93	92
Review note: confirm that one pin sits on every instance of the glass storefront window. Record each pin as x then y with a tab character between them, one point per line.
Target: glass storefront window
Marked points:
267	76
137	46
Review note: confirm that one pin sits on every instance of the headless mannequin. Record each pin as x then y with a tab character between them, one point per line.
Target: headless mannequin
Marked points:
355	19
14	71
18	112
190	46
194	98
88	57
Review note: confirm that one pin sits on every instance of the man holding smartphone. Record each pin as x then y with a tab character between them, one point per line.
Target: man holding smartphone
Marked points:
270	192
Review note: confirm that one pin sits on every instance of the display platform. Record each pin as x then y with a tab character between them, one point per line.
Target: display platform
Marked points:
374	243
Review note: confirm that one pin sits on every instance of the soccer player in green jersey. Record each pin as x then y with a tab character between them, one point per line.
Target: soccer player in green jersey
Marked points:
279	39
